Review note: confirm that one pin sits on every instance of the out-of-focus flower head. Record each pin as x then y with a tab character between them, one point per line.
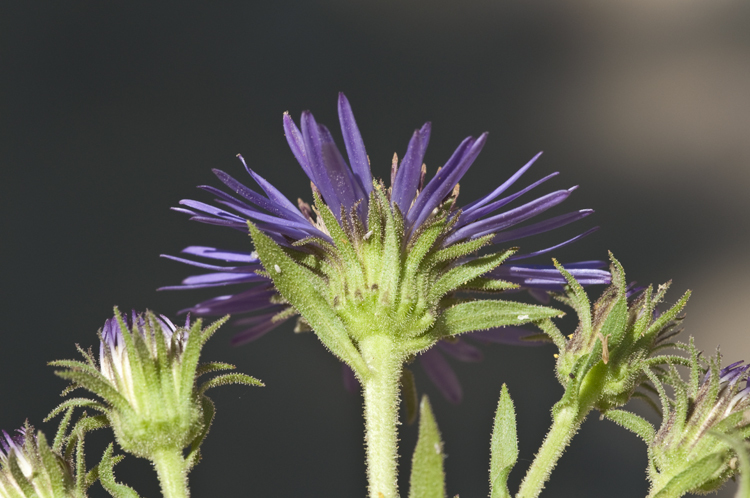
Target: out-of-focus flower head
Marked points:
29	468
705	422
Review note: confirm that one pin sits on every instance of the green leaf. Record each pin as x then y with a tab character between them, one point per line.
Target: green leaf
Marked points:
295	283
226	379
504	446
634	423
486	314
107	477
427	477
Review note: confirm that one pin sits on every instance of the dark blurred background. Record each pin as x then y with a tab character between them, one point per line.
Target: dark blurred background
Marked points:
111	112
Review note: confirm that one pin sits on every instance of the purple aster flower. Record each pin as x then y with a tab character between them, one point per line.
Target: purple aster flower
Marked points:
346	187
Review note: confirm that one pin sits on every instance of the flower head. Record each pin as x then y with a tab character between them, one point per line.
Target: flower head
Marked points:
146	378
402	252
617	341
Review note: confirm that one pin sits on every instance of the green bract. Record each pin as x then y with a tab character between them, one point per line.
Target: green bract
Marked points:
375	282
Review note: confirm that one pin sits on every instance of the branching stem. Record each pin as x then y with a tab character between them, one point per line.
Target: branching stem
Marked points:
565	424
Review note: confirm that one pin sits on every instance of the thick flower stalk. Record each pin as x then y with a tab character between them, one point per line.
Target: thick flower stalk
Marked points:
29	468
693	452
146	381
613	351
380	274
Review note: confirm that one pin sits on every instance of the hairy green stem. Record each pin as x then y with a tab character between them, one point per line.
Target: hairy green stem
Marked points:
566	422
381	393
172	471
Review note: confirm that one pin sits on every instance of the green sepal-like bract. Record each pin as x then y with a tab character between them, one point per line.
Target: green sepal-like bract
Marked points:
427	476
378	283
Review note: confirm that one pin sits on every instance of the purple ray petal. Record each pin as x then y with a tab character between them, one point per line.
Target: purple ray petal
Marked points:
297	144
220	222
474	214
507	219
299	227
441	185
517	257
228	256
502	188
232	269
441	374
313	146
355	146
211	210
219	278
347	187
275	208
255	299
407	178
183	210
549	278
538	271
461	350
256	331
505	335
542	226
273	193
255	319
425	133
